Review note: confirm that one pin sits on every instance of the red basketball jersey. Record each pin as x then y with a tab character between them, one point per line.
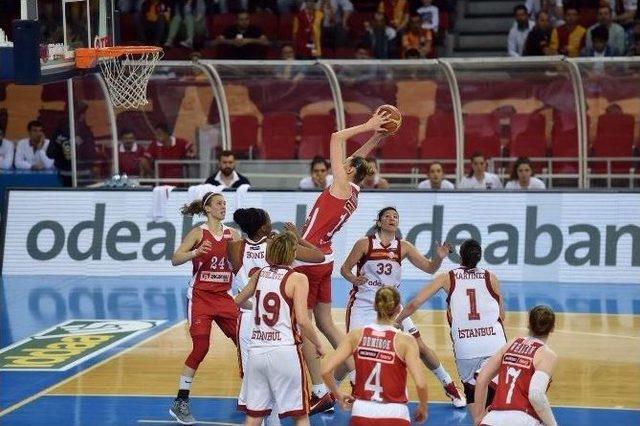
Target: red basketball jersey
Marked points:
327	217
515	375
381	375
212	271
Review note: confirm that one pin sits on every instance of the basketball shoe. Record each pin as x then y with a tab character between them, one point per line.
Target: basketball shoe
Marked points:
324	404
181	412
453	393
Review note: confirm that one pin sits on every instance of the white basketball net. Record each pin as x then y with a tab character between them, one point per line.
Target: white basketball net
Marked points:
127	77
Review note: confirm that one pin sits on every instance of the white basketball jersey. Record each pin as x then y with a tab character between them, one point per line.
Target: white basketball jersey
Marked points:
254	258
381	266
474	314
273	318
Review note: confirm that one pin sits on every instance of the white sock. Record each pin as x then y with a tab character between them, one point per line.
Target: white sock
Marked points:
185	382
319	390
442	375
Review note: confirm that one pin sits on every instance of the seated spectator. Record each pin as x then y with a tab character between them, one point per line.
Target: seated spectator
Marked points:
307	31
320	177
522	176
537	43
633	40
227	174
478	177
553	7
60	151
599	44
31	152
244	41
6	152
130	155
629	13
568	39
436	178
396	13
379	37
418	38
519	31
616	36
287	53
155	17
335	21
167	147
189	13
429	16
375	181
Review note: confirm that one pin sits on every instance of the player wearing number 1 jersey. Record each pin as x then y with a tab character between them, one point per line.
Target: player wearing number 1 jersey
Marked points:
524	367
475	313
383	355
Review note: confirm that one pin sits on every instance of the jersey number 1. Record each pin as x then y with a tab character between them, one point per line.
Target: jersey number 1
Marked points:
373	383
473	308
271	304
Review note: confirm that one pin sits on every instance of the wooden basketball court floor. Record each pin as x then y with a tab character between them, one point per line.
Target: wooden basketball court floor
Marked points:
134	380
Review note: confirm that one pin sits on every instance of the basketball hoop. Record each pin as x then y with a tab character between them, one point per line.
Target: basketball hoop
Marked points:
126	71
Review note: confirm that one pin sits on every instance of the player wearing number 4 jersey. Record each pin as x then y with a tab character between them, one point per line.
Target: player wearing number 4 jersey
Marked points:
275	373
475	313
378	259
524	367
383	355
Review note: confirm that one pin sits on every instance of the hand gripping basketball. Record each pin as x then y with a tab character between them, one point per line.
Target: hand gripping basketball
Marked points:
394	118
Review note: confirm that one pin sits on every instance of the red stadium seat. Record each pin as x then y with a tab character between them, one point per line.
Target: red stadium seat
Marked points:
588	17
315	135
267	22
356	142
528	137
285	27
219	22
244	133
564	140
481	134
401	146
440	140
279	132
614	138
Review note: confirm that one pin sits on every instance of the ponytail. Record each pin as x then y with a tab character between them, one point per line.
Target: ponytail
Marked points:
386	302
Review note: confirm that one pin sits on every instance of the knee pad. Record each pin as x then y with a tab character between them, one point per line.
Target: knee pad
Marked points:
199	351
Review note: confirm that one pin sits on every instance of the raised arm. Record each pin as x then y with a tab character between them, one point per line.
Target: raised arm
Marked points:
440	281
357	252
418	373
185	251
423	263
340	355
305	251
545	362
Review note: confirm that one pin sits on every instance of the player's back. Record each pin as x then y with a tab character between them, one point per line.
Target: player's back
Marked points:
381	374
212	271
474	314
515	375
253	258
381	265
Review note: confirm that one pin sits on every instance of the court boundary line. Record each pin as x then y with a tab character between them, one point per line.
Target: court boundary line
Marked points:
43	392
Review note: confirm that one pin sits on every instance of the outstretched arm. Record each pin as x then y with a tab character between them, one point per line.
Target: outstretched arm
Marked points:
423	263
425	293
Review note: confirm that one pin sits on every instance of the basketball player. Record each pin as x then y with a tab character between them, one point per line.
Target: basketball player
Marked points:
524	367
249	256
382	354
475	313
378	258
208	297
330	212
275	373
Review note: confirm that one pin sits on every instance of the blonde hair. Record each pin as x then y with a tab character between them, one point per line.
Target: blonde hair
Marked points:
282	249
386	301
363	169
197	206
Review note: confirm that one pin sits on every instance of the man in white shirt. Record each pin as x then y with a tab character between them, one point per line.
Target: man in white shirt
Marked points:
522	176
519	31
320	177
6	151
436	178
227	174
31	151
479	178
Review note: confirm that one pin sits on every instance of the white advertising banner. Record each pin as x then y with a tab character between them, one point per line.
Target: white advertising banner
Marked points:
563	237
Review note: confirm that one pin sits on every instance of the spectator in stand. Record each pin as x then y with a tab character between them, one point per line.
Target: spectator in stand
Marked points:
629	13
522	176
418	38
287	53
155	17
380	38
60	151
335	22
519	31
568	39
374	181
31	152
436	178
6	151
227	174
616	39
189	13
553	7
130	155
307	31
167	147
633	40
479	177
244	41
537	43
320	177
396	13
599	45
429	16
362	52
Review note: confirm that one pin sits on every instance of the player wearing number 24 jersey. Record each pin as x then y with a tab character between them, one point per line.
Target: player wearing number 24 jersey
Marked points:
524	367
383	355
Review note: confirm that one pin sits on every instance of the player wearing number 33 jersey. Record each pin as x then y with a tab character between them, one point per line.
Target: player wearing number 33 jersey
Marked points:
475	313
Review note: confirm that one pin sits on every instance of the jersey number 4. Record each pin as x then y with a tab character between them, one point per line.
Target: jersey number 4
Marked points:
271	305
373	383
473	307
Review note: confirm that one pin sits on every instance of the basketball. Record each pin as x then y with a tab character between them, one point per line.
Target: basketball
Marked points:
396	117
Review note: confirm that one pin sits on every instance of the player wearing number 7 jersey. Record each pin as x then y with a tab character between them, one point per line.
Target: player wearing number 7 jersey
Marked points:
524	367
383	355
475	313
